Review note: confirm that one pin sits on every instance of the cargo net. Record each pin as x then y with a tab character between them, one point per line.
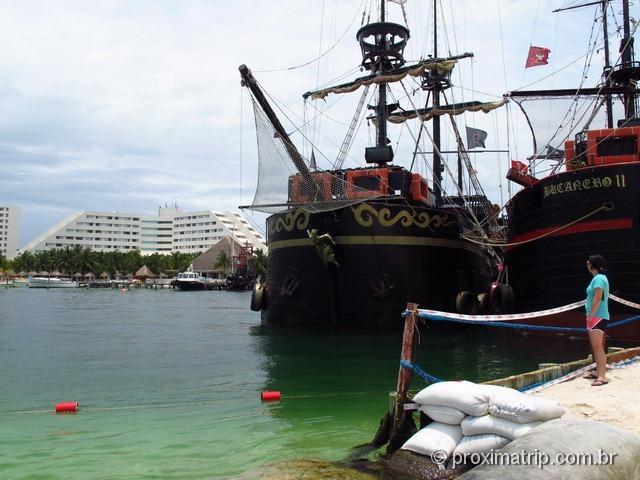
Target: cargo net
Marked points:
554	120
283	186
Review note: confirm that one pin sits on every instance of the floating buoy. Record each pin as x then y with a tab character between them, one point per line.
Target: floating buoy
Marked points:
123	290
67	407
270	396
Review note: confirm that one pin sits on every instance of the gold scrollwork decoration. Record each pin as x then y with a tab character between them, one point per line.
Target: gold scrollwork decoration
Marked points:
365	214
298	219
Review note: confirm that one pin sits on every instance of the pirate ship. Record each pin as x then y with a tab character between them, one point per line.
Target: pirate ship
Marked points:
348	247
588	203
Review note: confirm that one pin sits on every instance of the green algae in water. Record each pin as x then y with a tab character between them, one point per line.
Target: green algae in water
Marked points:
169	383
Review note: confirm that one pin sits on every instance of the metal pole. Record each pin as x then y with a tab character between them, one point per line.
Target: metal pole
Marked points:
607	63
437	160
382	94
627	58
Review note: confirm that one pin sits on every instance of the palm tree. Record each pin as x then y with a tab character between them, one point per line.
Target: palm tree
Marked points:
66	260
132	262
223	262
258	262
25	262
84	258
4	266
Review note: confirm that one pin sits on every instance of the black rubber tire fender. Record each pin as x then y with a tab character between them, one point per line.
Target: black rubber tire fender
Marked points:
500	298
467	303
258	297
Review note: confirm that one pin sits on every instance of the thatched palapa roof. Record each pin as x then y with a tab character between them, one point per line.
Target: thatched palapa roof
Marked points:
206	261
144	272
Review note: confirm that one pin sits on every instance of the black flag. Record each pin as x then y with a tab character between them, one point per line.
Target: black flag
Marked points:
475	138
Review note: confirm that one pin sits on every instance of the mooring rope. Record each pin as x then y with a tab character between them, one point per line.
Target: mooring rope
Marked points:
438	315
625	302
532	387
423	312
419	372
515	326
604	206
523	326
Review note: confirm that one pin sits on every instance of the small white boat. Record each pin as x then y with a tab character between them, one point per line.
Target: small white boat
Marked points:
191	280
43	282
16	282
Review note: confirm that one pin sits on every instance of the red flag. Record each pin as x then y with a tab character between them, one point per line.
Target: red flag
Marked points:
537	56
519	166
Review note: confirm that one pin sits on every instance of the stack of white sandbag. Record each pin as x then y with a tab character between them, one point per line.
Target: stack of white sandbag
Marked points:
473	418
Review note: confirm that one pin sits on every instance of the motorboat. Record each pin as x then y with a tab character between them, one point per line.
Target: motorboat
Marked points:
49	282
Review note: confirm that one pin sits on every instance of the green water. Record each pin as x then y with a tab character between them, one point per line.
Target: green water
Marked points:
169	383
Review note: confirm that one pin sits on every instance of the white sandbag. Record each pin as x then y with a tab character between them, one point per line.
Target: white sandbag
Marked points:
439	413
524	408
480	444
465	396
433	437
496	390
489	424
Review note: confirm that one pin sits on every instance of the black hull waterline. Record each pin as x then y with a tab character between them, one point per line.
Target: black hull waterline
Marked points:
386	255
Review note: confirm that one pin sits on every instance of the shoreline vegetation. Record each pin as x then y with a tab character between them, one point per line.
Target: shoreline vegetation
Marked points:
79	261
83	260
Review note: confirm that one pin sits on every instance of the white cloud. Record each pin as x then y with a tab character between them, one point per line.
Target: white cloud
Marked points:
129	104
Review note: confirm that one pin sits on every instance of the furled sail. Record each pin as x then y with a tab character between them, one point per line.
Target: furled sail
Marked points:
417	70
453	109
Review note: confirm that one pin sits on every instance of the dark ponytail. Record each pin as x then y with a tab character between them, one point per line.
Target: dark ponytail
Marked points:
597	262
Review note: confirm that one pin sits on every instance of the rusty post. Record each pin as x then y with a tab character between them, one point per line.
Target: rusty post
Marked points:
404	376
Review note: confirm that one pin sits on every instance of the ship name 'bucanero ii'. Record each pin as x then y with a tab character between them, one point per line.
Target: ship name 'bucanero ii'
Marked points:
589	199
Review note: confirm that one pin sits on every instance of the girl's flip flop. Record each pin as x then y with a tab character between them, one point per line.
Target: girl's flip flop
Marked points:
599	382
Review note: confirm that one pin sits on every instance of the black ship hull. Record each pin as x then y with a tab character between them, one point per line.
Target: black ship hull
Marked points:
563	219
387	254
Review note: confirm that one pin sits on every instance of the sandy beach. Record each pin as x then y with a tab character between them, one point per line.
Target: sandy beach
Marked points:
615	403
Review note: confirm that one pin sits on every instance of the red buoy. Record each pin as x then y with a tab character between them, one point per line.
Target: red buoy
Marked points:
67	407
270	396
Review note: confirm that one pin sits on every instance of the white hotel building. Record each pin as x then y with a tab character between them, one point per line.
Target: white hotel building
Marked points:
172	230
9	230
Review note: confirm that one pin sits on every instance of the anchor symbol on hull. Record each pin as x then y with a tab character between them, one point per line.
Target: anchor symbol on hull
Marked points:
381	287
289	286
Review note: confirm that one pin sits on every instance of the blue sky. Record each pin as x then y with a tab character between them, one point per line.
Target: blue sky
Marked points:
128	105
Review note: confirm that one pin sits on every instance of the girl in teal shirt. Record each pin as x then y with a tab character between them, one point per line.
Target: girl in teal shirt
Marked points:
597	310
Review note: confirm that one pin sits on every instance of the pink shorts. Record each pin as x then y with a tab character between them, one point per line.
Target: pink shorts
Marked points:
596	323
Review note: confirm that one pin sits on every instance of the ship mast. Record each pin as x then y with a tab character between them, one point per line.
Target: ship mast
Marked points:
628	64
436	82
607	63
620	79
382	44
381	138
